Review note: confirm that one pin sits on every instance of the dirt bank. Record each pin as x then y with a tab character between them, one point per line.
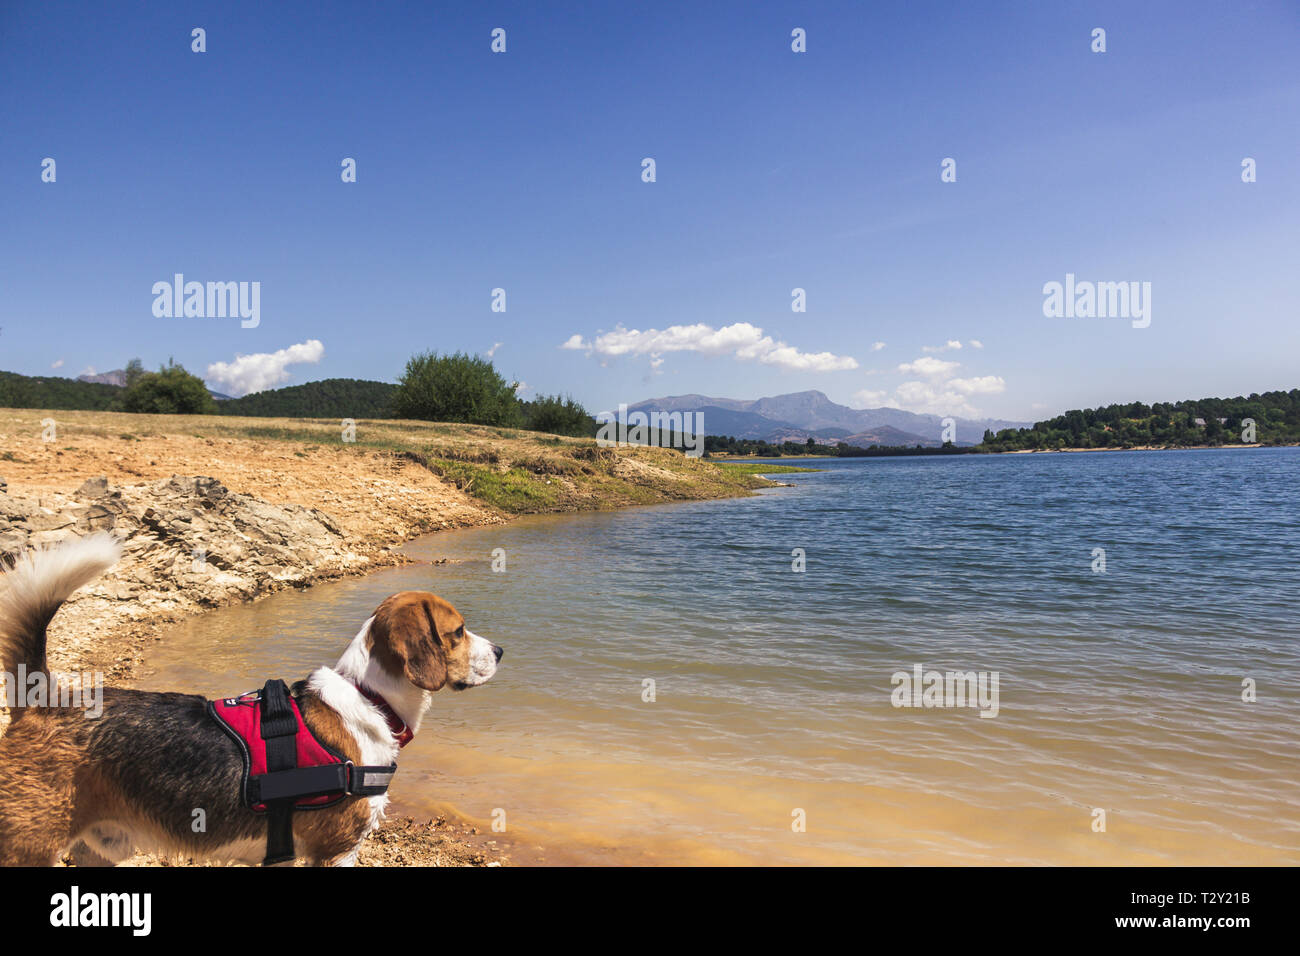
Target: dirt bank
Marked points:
215	511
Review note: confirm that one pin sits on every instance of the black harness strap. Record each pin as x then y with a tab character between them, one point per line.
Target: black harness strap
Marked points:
280	788
279	730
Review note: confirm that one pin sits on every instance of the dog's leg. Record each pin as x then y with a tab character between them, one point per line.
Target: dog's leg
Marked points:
104	844
83	856
333	837
34	825
332	855
347	859
36	801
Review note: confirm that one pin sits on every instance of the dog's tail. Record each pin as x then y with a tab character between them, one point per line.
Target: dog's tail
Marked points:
39	582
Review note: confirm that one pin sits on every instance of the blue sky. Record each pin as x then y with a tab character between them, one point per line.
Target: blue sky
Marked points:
775	170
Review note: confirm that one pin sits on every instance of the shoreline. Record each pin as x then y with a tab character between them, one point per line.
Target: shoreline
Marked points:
738	459
291	506
1056	451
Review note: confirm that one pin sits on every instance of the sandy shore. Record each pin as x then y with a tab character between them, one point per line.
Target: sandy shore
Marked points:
271	504
1054	451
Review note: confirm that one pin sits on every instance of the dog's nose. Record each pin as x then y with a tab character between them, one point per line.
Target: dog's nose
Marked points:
497	651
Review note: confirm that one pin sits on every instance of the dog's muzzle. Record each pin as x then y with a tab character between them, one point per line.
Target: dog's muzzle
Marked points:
483	659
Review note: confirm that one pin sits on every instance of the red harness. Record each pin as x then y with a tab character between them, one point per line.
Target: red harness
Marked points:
241	717
286	768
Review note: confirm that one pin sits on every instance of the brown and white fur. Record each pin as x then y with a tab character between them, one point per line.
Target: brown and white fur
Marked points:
134	777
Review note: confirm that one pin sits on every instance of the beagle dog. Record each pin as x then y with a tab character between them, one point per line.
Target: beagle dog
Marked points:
142	773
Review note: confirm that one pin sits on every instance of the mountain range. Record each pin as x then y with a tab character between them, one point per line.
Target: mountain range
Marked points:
795	417
801	415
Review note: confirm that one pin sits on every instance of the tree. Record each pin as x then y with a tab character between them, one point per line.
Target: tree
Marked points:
169	391
557	416
134	369
456	388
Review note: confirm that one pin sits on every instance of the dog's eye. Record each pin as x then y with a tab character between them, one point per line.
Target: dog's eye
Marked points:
459	633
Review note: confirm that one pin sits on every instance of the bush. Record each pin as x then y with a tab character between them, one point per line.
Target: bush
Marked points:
169	391
456	388
558	416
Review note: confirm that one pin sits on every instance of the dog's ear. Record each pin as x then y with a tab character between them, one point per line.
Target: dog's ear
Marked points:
406	637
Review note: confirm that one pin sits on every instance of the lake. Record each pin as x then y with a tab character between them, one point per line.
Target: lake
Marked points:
772	735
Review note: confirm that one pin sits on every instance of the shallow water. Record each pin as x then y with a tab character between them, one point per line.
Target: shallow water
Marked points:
1119	691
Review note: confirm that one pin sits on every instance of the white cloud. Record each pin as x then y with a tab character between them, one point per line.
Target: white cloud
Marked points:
929	367
940	393
869	398
263	370
57	363
493	350
985	385
877	346
949	346
976	344
951	397
741	340
917	396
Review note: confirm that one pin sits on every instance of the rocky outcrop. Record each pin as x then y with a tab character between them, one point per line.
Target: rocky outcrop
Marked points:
188	543
185	533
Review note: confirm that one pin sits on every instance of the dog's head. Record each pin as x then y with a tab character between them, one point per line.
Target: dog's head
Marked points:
419	636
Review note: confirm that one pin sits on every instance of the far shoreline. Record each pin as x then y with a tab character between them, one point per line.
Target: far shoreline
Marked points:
1053	451
1018	451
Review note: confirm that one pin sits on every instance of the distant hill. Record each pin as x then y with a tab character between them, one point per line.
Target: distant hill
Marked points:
27	391
329	398
888	435
116	377
719	420
800	415
1268	418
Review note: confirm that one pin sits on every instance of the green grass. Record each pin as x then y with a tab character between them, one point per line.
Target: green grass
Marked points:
515	490
757	468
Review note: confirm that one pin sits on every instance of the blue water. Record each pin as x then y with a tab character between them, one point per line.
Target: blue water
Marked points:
1119	691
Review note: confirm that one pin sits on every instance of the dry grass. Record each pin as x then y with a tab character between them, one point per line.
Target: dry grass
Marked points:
459	468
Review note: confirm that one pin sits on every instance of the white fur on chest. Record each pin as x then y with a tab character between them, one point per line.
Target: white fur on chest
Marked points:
368	728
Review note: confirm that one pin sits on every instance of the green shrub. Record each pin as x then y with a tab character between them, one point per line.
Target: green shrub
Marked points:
456	388
169	391
558	416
